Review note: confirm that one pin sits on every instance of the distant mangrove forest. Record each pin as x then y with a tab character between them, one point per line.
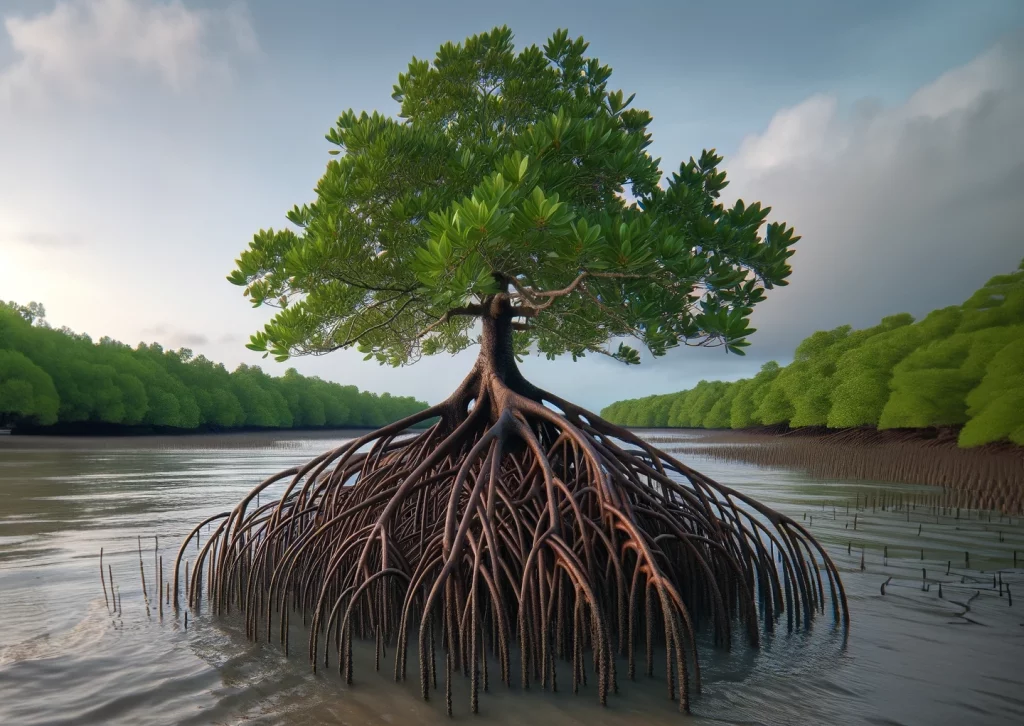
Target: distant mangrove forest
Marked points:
60	380
960	367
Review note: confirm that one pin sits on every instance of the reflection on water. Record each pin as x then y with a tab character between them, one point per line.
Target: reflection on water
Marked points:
910	657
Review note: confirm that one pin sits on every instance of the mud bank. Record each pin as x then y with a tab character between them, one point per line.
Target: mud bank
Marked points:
989	477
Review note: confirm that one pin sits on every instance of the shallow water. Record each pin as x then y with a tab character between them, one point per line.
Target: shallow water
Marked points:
909	657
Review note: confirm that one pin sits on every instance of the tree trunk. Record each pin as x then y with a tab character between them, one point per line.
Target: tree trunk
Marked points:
496	364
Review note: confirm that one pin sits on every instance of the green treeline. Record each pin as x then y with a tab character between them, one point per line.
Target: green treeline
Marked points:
959	366
52	376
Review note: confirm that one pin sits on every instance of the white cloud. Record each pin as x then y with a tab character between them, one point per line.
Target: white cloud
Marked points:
805	133
81	47
814	131
907	207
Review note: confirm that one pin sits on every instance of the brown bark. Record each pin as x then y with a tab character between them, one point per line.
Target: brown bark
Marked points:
495	376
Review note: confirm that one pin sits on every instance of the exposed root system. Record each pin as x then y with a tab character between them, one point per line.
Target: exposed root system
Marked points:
512	533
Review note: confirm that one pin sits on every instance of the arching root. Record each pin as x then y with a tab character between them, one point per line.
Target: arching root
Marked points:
509	525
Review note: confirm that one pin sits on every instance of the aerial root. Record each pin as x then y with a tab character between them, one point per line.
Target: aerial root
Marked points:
507	524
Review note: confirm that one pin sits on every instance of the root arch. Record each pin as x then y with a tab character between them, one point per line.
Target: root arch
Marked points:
507	526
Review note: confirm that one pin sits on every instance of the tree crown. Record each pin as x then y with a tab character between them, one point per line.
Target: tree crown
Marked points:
501	189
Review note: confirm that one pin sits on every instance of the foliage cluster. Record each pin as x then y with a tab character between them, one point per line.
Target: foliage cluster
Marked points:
513	174
52	376
959	366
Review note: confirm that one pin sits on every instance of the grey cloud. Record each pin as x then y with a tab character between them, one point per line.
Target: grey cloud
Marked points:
906	208
80	47
189	339
170	337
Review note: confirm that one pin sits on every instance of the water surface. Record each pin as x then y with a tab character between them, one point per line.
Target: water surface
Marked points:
909	656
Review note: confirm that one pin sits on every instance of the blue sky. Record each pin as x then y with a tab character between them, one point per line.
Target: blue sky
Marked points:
143	142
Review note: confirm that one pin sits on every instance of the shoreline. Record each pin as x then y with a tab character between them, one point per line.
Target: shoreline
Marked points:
940	437
987	477
115	431
234	439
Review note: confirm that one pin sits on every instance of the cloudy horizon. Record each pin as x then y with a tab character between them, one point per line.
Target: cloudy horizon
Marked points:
146	141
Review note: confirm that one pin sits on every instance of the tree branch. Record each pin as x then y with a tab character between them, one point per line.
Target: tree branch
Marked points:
586	346
383	324
630	329
473	310
368	308
363	286
523	292
530	296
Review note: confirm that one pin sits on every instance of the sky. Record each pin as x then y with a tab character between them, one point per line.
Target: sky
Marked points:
143	142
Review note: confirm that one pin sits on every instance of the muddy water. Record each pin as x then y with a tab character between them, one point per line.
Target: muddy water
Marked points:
909	657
